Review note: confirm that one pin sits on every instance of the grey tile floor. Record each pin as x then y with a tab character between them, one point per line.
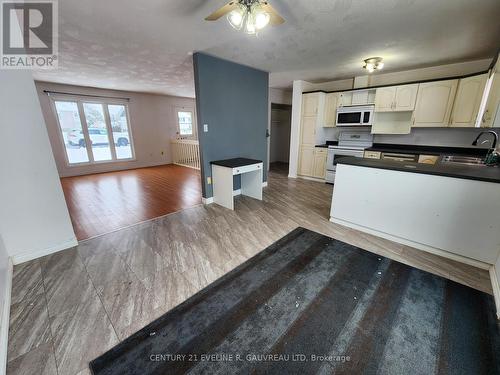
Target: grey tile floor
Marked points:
70	307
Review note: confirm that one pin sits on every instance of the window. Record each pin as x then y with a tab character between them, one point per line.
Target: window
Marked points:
101	125
185	123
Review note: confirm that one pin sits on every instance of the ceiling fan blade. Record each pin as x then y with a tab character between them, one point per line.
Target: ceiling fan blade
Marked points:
222	11
276	19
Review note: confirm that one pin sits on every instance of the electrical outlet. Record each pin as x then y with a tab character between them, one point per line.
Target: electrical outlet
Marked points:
209	180
205	128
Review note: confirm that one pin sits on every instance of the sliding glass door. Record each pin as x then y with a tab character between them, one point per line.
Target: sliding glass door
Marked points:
94	131
74	138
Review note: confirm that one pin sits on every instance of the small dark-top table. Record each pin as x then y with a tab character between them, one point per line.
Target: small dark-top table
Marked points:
222	179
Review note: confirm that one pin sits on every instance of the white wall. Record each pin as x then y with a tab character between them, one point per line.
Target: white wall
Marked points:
152	119
4	261
5	284
279	96
34	219
457	137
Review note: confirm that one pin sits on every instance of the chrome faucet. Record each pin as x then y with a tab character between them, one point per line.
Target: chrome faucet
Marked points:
492	157
495	139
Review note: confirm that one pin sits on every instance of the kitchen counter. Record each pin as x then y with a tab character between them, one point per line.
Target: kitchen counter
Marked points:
428	150
328	143
448	210
469	172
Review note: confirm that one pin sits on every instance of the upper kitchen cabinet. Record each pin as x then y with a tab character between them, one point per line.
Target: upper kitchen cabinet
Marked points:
310	104
331	102
467	101
384	99
434	103
406	96
491	114
396	98
344	99
363	97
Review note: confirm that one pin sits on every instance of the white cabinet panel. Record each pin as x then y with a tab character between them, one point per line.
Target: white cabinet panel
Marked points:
310	104
359	97
491	115
405	97
396	98
467	101
330	110
319	167
308	130
345	98
384	99
306	161
434	103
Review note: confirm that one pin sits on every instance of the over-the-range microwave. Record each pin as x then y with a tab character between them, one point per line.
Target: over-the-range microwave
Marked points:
361	115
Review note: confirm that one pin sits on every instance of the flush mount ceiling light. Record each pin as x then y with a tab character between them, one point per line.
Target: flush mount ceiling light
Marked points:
373	63
248	15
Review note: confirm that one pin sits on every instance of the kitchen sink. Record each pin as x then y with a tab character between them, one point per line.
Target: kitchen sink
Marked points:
463	160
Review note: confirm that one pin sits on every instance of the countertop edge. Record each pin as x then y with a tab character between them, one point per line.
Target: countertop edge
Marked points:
452	174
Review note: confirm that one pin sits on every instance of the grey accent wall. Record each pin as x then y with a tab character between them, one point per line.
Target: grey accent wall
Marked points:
232	100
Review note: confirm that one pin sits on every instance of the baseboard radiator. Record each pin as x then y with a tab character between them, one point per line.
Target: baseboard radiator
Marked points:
186	152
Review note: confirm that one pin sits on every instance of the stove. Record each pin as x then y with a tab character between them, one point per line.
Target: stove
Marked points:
351	143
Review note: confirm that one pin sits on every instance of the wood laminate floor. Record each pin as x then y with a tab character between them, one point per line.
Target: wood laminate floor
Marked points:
101	203
70	307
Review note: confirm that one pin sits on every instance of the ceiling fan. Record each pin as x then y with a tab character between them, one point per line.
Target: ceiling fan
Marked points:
249	15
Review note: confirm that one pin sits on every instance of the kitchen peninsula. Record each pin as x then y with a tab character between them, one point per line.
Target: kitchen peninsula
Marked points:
449	210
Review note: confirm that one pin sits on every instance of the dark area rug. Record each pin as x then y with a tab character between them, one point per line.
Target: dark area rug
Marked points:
310	304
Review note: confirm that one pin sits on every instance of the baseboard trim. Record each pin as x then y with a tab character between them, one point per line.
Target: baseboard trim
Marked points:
207	200
312	179
496	288
417	245
30	255
235	193
4	319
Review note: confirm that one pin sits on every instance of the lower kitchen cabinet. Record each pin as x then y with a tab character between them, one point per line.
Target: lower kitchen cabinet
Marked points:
306	161
319	168
312	162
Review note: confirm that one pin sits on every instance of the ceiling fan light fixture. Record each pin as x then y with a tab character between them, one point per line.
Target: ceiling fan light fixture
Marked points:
236	17
250	27
373	63
261	17
249	16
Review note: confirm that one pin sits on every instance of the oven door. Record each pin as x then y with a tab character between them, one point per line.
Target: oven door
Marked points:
334	155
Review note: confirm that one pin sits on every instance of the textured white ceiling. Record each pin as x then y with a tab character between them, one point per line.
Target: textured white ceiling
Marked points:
144	45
